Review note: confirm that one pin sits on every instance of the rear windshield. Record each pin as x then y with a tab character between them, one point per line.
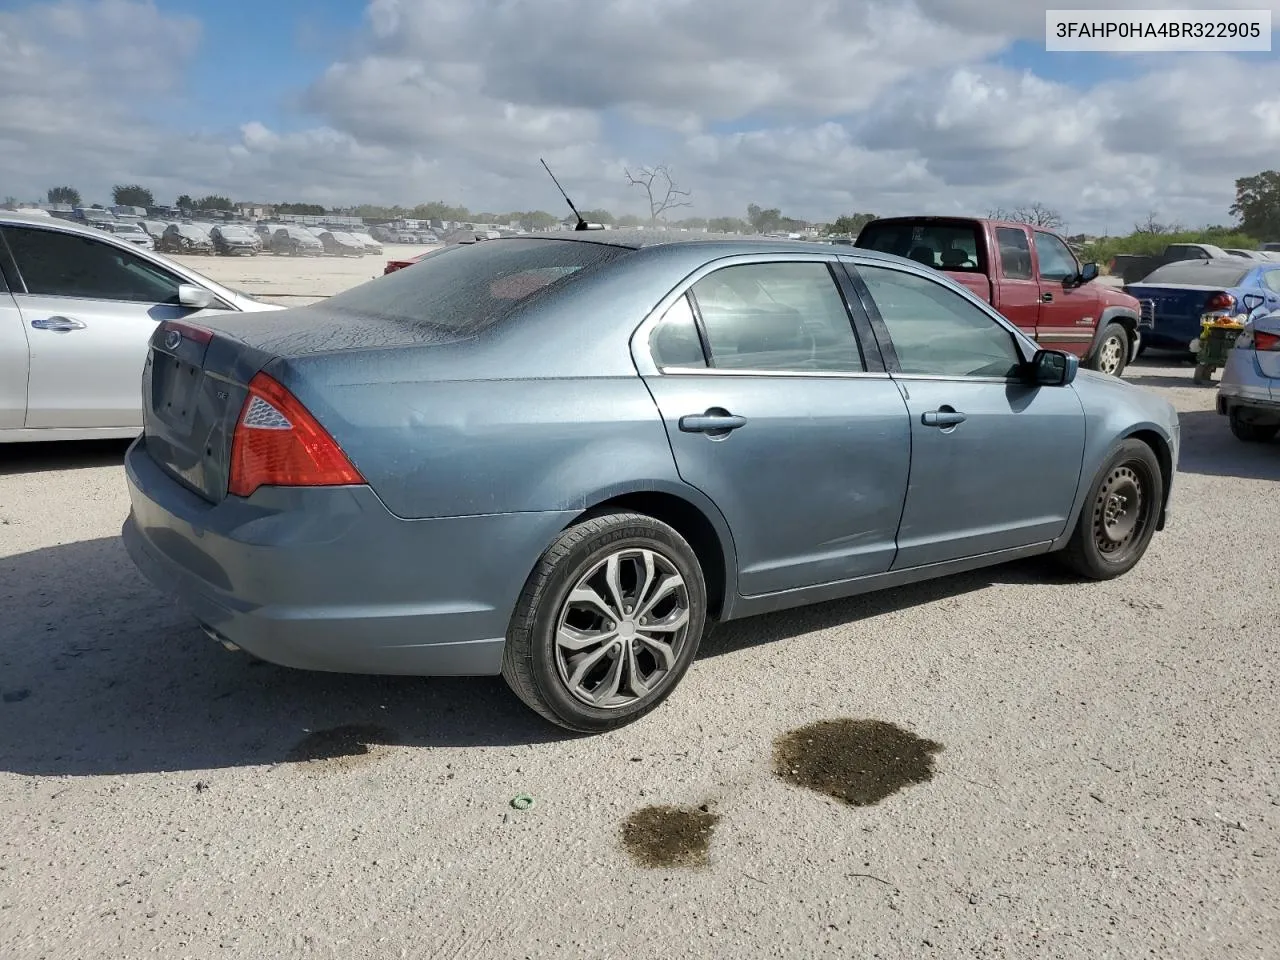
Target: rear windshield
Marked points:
944	246
467	288
1210	273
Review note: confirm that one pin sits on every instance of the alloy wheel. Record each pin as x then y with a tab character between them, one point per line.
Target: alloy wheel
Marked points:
621	629
1110	356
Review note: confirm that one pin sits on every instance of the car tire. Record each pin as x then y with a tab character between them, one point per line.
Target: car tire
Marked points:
1108	540
1242	429
605	558
1112	355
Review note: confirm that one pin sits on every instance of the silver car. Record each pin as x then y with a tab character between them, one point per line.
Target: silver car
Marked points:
558	457
1249	391
132	232
78	306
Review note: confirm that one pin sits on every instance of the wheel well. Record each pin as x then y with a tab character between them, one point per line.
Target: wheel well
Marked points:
690	522
1165	458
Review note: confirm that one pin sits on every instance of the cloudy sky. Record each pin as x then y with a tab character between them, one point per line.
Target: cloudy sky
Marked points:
815	106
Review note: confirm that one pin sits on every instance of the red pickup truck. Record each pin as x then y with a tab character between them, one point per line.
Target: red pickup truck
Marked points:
1027	273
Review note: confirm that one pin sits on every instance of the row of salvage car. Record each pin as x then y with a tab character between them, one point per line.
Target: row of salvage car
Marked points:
241	239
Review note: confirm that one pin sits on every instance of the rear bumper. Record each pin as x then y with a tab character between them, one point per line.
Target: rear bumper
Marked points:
328	579
1244	384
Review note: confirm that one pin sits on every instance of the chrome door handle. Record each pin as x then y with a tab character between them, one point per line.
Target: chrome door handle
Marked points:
713	422
944	417
58	324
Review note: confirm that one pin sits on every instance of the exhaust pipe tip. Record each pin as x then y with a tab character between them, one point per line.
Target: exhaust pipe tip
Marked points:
215	635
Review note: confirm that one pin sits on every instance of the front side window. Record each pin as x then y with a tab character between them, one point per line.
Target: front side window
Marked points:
55	264
1056	261
777	317
936	331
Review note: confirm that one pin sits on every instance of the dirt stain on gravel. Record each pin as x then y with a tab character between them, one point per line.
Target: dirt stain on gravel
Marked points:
665	836
858	762
339	746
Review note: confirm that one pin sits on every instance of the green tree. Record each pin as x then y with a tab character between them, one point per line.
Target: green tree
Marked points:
184	202
692	223
299	209
10	203
439	210
69	195
216	202
534	220
629	220
763	221
132	195
728	225
850	223
1258	204
599	216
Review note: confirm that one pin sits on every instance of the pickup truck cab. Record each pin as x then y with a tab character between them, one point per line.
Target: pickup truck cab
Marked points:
1027	273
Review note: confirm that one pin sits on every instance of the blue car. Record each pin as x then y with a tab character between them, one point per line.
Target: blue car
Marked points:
557	458
1177	295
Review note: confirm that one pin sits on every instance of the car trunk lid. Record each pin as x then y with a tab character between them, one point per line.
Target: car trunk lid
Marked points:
194	385
1175	309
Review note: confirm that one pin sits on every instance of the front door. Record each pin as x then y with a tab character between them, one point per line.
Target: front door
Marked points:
994	462
781	424
88	311
1068	313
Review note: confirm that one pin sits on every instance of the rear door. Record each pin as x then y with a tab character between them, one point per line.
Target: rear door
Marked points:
1068	314
995	462
14	359
88	310
784	417
1014	279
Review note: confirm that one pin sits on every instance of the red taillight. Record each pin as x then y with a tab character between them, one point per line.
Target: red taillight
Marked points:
190	331
277	443
1221	301
1266	341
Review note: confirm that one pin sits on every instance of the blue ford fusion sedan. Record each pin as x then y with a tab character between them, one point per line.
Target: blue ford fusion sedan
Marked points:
559	457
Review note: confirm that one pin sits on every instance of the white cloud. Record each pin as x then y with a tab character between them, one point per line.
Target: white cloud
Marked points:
818	108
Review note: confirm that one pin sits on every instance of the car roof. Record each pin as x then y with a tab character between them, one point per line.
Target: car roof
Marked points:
697	248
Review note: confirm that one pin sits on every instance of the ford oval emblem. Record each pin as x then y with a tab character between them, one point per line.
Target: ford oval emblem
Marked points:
172	339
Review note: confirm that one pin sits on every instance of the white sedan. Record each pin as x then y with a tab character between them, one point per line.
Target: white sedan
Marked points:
77	310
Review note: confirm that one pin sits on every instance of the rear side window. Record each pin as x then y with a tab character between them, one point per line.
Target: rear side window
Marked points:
467	288
675	341
1015	253
943	246
777	316
55	264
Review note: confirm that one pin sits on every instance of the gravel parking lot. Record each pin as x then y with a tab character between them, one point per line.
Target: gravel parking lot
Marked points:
1083	770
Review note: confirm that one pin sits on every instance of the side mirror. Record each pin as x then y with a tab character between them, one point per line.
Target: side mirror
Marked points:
1052	368
1088	273
189	295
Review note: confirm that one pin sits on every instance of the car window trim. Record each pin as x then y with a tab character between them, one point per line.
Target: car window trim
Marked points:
1020	343
647	366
